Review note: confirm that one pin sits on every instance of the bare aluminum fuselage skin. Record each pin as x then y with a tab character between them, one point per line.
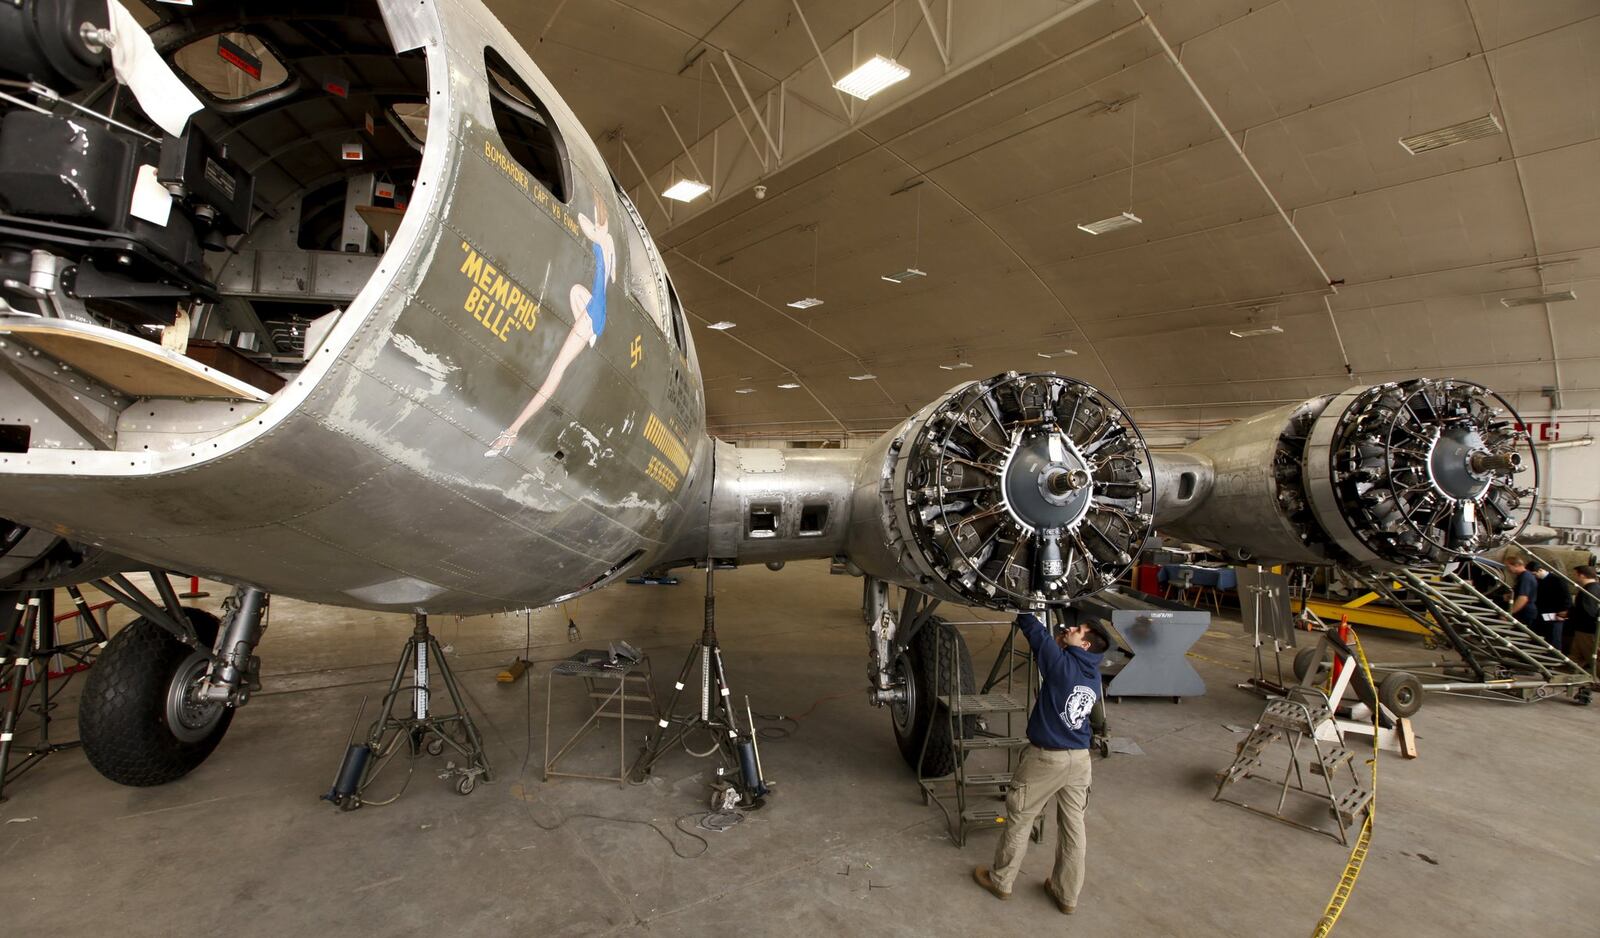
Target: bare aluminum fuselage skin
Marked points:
364	482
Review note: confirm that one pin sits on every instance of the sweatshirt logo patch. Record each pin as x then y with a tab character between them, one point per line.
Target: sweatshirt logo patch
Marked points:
1079	703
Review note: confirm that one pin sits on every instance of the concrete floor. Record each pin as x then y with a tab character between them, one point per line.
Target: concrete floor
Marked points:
1493	829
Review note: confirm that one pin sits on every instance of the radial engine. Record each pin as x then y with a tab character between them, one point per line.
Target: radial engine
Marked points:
1380	476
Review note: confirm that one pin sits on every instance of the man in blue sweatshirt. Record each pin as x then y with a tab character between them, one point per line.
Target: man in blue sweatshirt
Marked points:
1055	766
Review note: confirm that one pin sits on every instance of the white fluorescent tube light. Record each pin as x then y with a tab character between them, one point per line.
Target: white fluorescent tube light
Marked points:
1114	223
806	303
872	76
1485	126
1568	444
1061	354
903	275
955	367
869	376
1561	297
745	391
722	326
788	385
1246	332
686	190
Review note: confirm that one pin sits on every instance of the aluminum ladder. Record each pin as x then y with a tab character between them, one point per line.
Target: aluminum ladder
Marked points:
1007	695
1494	646
1294	721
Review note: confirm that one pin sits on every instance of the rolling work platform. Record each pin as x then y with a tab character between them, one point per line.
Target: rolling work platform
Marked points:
1497	654
1006	696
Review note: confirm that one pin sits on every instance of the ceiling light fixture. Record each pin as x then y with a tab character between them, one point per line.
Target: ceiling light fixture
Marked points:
1485	126
1125	219
1114	223
872	76
956	366
722	326
789	385
686	190
916	250
869	376
1560	297
745	391
816	246
1250	331
1061	354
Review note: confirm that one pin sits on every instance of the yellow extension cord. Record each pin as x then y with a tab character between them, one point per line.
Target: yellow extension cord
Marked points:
1358	854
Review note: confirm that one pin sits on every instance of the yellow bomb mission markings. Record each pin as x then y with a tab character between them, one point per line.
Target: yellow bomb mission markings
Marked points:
497	302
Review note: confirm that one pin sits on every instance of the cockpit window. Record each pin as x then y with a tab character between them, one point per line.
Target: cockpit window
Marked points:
231	66
525	126
646	279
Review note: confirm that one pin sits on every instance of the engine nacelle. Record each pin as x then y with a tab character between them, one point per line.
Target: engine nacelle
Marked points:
1019	491
1394	474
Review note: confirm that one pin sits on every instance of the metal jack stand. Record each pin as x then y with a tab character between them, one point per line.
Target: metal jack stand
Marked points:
29	642
1269	612
422	730
716	716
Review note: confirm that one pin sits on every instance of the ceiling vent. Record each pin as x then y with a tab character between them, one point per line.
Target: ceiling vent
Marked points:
1485	126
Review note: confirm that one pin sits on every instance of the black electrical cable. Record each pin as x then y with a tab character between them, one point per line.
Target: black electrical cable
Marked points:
677	823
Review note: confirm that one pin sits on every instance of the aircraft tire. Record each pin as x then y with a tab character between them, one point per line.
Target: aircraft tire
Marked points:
911	721
135	729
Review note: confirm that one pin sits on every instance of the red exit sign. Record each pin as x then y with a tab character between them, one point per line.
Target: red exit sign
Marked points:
1547	431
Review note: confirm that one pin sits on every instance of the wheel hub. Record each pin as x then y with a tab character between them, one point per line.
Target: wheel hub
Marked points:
903	710
189	717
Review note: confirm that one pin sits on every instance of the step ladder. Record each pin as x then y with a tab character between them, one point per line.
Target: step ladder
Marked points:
993	720
1295	721
1493	645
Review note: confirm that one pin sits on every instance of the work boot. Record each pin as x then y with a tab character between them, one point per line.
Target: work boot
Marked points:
981	874
1060	902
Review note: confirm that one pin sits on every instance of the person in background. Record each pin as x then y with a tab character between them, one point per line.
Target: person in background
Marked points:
1553	601
1582	617
1524	593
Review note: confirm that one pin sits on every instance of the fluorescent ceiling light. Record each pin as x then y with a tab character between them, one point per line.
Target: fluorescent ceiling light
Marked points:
1561	297
903	275
788	385
955	367
1114	223
869	376
722	326
871	77
1061	354
686	190
745	391
806	303
1485	126
1249	331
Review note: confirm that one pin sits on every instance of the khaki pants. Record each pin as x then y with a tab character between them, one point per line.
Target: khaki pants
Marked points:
1043	777
1582	648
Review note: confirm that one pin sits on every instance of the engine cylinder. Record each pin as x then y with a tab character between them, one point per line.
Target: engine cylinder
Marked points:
1019	491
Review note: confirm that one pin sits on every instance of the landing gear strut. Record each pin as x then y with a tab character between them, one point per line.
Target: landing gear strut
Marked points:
162	693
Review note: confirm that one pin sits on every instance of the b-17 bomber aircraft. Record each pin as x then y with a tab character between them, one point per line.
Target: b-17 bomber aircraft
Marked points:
339	301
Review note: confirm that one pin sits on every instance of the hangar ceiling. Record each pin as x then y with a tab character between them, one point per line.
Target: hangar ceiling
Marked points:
1307	214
